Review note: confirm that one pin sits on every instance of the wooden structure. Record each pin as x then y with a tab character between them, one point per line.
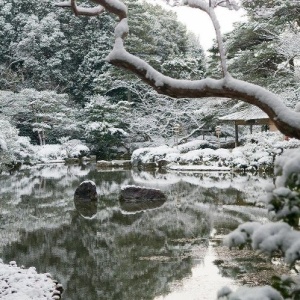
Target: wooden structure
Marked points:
249	116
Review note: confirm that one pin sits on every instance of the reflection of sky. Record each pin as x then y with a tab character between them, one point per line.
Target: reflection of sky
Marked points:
203	284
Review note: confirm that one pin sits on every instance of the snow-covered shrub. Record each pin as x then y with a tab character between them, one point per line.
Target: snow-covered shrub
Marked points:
269	238
284	197
194	152
74	148
242	235
258	152
153	154
194	145
47	153
250	293
13	148
57	152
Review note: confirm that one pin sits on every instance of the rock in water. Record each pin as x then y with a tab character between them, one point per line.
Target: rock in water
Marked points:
136	198
85	199
86	191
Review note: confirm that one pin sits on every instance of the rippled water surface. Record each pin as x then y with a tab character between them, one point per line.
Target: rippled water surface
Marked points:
102	252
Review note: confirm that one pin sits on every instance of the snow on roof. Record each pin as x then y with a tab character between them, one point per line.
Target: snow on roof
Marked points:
250	113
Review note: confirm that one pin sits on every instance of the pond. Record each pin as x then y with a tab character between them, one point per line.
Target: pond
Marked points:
104	252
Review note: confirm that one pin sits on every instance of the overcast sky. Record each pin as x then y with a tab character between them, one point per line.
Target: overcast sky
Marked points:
198	22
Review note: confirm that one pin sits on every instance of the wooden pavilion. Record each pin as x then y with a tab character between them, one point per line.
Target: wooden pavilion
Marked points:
250	116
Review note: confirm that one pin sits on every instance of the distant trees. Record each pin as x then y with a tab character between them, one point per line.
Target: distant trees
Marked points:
47	54
227	87
48	49
40	51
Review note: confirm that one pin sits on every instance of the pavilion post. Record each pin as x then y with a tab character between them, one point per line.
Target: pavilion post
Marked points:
236	134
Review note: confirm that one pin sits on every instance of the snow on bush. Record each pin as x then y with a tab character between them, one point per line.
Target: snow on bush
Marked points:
48	153
250	293
284	197
56	152
74	148
152	154
193	145
26	284
269	238
13	147
259	151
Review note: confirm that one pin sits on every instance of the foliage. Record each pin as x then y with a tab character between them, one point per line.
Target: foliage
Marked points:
264	48
45	113
41	51
48	49
104	126
13	148
288	287
284	197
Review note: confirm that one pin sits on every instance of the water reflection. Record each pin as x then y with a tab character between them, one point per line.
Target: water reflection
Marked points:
203	274
117	255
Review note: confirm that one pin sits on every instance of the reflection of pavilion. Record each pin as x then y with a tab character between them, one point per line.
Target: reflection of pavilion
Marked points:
250	116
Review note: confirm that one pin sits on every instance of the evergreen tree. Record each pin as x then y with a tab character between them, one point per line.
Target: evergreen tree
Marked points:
260	50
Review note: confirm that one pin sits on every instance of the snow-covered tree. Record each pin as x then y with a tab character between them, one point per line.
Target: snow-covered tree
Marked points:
264	49
286	120
105	127
46	113
13	148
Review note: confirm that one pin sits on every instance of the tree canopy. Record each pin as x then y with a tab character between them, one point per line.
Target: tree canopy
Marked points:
286	120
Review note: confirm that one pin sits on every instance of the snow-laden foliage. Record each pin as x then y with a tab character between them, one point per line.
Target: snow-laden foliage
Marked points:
258	152
44	116
74	148
277	238
247	293
271	239
20	283
59	152
13	148
284	197
264	49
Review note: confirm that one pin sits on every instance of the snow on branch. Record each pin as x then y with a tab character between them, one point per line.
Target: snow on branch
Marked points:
209	9
286	120
79	10
114	6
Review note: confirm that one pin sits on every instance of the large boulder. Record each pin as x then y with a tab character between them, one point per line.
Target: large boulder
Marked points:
85	199
136	198
86	191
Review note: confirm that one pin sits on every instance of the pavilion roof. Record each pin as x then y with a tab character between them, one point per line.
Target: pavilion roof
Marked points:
250	113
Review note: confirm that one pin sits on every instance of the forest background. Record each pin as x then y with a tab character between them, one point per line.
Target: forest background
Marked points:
55	84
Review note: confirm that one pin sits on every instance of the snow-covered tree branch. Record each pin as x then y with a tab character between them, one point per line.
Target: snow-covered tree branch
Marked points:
286	120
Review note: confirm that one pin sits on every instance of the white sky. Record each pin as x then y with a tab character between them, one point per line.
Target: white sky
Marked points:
198	21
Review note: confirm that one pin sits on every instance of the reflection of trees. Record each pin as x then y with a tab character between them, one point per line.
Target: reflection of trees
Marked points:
130	256
207	187
114	255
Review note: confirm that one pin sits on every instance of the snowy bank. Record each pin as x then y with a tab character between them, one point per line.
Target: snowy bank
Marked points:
259	152
18	283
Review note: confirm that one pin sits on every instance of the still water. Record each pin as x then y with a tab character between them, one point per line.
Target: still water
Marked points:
103	252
